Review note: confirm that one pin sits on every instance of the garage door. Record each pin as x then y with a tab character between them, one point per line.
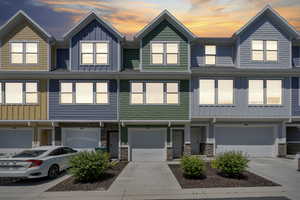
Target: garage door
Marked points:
254	141
147	144
81	138
14	140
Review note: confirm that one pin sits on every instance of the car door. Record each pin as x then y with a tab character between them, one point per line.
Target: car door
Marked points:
67	154
56	157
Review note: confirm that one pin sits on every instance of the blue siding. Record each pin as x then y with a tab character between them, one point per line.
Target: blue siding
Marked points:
264	29
295	97
224	55
240	107
62	58
296	56
82	112
95	31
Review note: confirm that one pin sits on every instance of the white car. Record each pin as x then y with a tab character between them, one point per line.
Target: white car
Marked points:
37	162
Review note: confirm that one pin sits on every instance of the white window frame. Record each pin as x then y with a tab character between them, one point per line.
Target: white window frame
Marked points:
107	92
27	92
210	55
94	53
165	53
24	52
264	51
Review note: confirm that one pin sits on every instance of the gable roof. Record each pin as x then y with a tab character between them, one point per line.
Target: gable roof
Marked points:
270	12
18	18
165	15
86	20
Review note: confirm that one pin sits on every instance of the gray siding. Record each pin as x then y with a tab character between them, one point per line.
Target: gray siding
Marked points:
264	29
95	31
224	55
82	112
240	108
296	56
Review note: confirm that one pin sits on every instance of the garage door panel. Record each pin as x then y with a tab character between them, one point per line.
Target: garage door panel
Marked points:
15	138
87	138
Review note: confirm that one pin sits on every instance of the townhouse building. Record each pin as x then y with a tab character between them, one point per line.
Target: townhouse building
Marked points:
163	94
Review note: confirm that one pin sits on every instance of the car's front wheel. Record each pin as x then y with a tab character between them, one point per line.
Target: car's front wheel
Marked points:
53	171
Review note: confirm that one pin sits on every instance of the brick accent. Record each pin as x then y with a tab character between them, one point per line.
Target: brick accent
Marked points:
209	150
124	153
169	153
281	150
187	149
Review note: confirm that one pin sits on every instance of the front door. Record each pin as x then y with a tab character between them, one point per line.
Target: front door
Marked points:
177	143
114	144
45	137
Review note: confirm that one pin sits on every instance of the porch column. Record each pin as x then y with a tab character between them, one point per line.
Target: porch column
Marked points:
187	140
282	148
209	150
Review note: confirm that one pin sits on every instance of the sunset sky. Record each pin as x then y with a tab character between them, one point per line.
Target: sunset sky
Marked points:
205	18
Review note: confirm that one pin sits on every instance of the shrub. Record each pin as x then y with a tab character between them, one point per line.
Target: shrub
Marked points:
89	166
231	163
192	166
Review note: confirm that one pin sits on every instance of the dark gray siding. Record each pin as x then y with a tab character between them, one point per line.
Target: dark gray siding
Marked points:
295	97
62	58
224	55
95	31
240	107
82	112
264	29
296	56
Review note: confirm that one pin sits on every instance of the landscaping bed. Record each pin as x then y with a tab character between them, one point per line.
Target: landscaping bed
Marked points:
213	179
70	184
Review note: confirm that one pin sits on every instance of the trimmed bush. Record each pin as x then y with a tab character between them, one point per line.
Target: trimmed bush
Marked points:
89	166
231	163
193	166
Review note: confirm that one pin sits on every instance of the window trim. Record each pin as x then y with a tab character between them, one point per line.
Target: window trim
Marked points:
94	52
215	55
264	50
265	92
165	53
24	52
164	93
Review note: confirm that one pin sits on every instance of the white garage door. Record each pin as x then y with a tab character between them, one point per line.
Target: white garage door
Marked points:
81	138
15	140
147	144
254	141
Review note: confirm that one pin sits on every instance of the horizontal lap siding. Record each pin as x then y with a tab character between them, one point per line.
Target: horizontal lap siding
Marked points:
24	32
82	112
154	112
165	32
27	112
95	31
264	29
240	107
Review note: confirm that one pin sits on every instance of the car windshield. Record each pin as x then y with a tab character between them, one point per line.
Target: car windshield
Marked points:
29	154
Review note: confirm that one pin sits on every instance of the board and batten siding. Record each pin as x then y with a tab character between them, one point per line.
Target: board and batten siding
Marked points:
165	32
154	112
28	112
81	111
92	32
25	31
224	55
240	108
264	29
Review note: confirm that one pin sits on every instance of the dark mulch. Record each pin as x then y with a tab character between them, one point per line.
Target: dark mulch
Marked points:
213	179
239	198
70	184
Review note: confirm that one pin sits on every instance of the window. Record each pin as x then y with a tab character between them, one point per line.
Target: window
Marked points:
94	53
102	93
85	93
14	93
210	54
257	95
164	53
154	92
209	94
24	52
256	92
264	50
31	92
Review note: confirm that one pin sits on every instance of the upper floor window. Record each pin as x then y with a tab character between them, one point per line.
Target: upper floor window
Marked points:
210	54
19	92
272	95
264	50
24	52
166	53
154	93
215	92
83	92
94	53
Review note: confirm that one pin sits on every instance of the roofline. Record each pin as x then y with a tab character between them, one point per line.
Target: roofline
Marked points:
21	12
68	33
164	12
267	7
